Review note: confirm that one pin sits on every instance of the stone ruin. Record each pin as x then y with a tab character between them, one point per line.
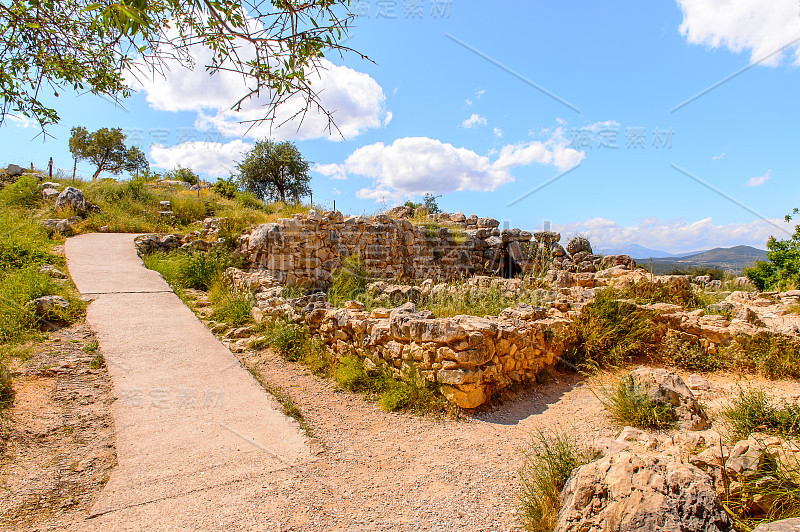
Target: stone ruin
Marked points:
306	249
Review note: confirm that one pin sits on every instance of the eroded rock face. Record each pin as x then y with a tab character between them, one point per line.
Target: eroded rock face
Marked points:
663	386
625	492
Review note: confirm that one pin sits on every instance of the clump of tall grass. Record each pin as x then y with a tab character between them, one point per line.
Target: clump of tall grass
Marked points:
690	355
24	192
774	355
753	410
198	270
630	405
608	332
549	460
458	297
6	388
350	283
230	306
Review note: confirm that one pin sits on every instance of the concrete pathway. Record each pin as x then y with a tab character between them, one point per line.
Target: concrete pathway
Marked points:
194	430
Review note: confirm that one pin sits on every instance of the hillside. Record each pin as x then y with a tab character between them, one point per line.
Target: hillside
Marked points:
734	259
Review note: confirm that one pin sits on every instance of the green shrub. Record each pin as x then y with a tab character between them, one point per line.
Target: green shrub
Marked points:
773	355
250	201
608	332
24	192
199	270
752	410
630	406
351	375
289	339
411	392
180	173
97	362
549	461
189	208
227	188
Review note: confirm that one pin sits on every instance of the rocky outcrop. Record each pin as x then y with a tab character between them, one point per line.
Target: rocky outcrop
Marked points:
74	199
662	386
627	492
194	241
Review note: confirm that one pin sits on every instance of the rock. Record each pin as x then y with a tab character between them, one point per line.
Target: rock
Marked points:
14	170
401	212
242	332
354	305
547	237
523	311
625	492
465	397
663	386
46	304
749	315
630	434
52	271
59	226
697	382
578	244
702	280
784	525
50	184
49	194
72	198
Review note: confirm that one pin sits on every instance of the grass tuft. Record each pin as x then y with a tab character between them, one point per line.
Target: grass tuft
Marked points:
630	406
752	410
549	461
774	355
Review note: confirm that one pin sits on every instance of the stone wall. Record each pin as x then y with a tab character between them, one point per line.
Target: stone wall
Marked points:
306	249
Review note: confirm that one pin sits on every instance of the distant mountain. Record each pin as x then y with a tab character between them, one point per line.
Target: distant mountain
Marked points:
733	259
634	250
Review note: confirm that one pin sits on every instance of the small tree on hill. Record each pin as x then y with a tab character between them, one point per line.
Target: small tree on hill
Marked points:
274	170
105	148
782	269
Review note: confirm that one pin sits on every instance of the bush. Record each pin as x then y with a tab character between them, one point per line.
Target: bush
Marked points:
288	339
773	355
226	188
24	192
180	173
549	461
630	406
349	281
199	270
250	201
608	332
752	410
782	269
189	208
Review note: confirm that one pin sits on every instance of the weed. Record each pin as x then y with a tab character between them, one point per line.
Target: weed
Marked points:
24	242
24	192
458	297
608	332
91	347
289	339
773	355
351	375
97	362
549	461
231	307
752	410
349	282
631	406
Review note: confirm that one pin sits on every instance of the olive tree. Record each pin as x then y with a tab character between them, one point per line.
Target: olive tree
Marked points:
274	170
105	148
99	46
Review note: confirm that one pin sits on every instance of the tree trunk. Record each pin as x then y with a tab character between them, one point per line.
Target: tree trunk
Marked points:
97	173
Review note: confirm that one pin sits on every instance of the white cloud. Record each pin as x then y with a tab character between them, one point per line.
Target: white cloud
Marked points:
467	103
759	180
720	156
20	121
212	158
498	133
419	165
479	93
333	171
475	120
356	100
744	25
336	191
675	236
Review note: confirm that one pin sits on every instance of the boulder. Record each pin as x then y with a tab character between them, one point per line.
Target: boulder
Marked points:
578	244
626	492
665	387
58	226
401	212
46	304
49	194
73	198
547	237
52	271
14	170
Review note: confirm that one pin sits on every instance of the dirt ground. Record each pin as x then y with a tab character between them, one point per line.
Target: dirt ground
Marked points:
374	471
59	435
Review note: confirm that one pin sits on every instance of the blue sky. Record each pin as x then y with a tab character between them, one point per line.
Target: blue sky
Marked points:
484	103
